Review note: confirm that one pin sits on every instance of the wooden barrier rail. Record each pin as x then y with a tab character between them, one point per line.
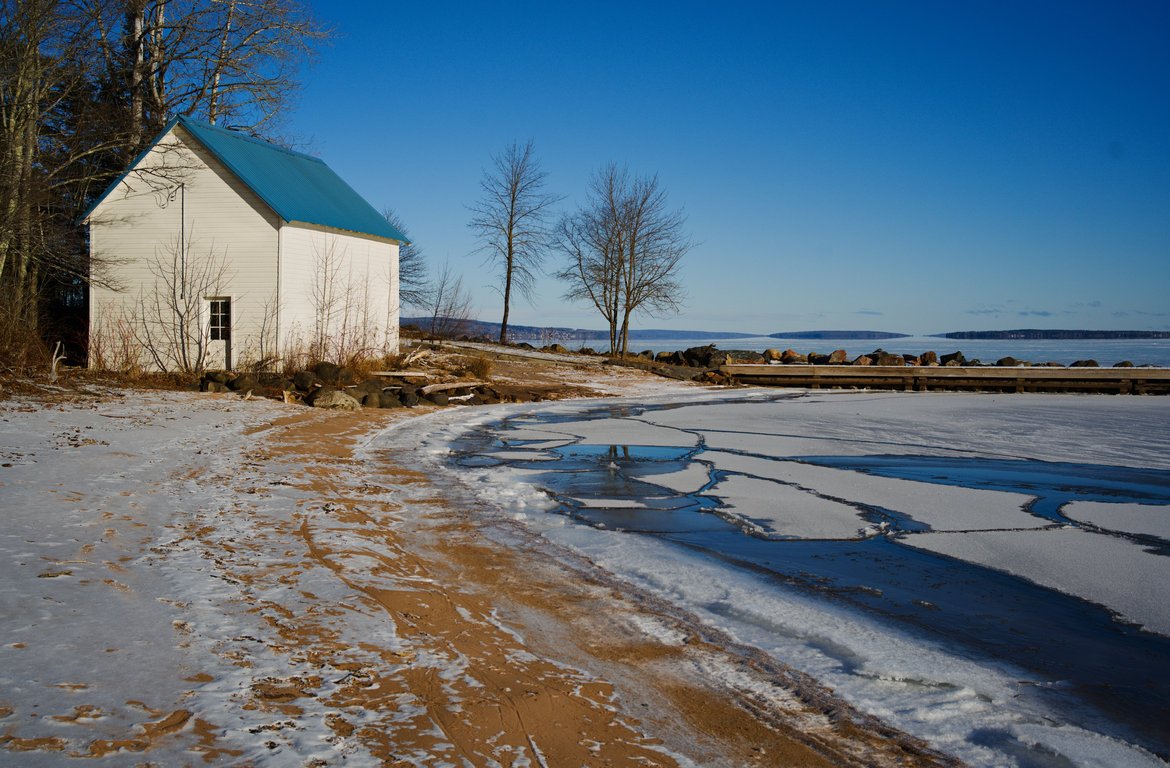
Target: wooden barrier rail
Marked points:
1137	381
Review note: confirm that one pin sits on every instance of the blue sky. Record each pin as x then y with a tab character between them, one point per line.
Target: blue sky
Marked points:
905	166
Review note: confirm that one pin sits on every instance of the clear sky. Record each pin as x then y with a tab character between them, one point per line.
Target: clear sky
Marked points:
917	167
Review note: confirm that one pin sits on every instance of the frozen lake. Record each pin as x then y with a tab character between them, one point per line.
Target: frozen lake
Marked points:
987	572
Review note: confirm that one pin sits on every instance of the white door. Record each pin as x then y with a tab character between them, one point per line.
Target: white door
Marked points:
219	333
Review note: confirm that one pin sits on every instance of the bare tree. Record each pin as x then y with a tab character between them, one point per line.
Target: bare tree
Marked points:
226	61
623	250
511	222
450	305
172	326
413	282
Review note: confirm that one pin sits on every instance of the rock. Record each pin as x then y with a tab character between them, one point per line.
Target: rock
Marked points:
219	377
704	357
1124	364
954	358
1007	362
273	380
243	383
838	357
524	345
345	377
928	358
816	359
331	397
1084	364
772	355
791	356
888	358
306	381
554	348
862	360
409	397
371	400
670	358
439	398
207	385
389	399
743	357
327	372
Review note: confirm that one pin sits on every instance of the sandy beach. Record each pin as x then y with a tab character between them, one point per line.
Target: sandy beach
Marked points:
201	579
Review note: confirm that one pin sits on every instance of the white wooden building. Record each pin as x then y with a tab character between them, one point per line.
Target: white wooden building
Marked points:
219	250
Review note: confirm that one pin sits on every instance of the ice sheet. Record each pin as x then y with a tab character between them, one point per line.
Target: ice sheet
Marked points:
1104	569
1142	519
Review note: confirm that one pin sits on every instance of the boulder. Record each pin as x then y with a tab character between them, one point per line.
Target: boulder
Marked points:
772	355
327	372
371	400
331	397
389	399
219	377
1124	364
743	357
1084	364
409	397
306	381
838	357
439	398
790	356
862	360
707	356
243	383
1007	362
928	358
953	359
888	358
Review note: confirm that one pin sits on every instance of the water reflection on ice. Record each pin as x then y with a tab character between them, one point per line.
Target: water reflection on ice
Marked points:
1024	533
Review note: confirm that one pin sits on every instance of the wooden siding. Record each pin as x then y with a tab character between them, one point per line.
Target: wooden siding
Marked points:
344	284
180	188
271	269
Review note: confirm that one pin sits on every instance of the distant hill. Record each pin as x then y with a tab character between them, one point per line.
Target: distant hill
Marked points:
1045	333
841	335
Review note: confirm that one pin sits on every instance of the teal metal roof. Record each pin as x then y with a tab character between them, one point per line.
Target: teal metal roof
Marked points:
296	186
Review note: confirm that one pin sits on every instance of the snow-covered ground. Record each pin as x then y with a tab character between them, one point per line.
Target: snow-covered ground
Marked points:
767	461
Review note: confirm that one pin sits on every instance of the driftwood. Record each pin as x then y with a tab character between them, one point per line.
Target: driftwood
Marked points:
403	374
431	388
416	354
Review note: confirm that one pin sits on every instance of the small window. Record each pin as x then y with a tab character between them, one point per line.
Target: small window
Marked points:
221	319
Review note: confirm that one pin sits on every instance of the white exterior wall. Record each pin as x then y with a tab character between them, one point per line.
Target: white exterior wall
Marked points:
273	272
180	190
339	294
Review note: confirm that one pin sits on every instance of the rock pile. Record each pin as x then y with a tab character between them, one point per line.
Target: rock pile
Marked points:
327	385
710	357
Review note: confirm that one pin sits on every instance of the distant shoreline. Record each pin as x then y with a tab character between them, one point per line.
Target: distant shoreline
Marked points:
550	334
1047	334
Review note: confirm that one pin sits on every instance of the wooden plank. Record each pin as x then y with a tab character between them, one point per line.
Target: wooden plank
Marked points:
925	378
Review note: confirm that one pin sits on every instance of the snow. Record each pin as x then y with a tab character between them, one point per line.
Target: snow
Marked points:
165	483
